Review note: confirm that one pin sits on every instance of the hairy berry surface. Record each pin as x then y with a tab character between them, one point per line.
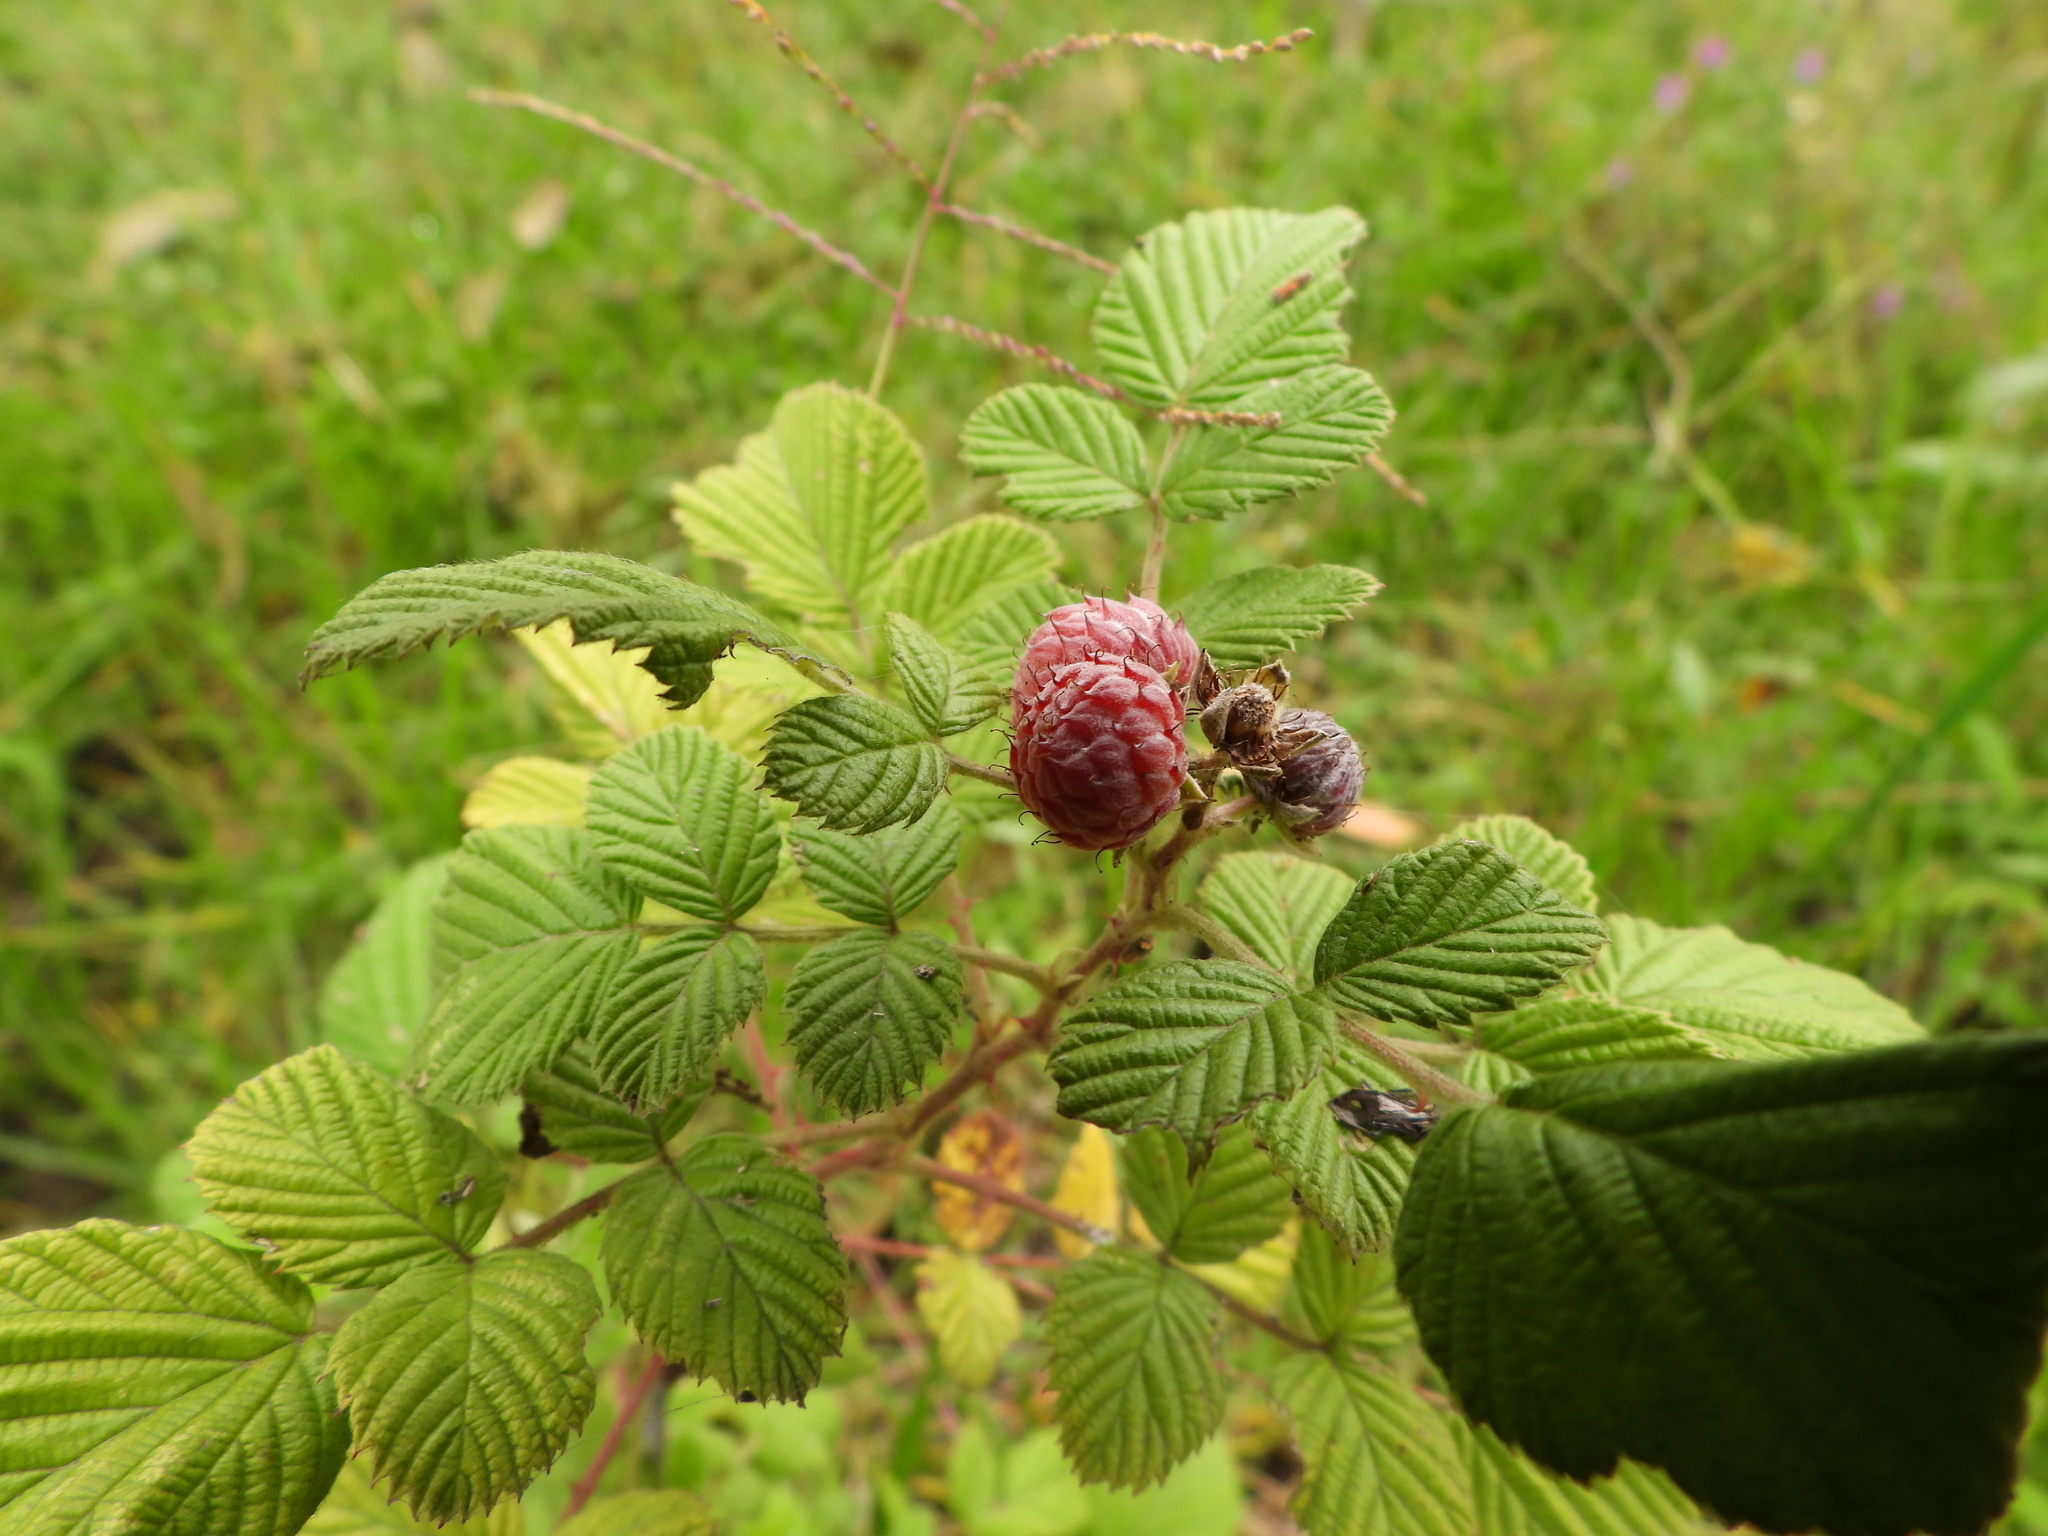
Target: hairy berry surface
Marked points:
1103	627
1318	783
1099	752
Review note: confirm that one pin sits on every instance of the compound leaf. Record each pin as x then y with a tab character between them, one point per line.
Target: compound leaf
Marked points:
1561	1033
723	1263
528	792
948	694
1329	420
682	627
160	1383
464	1382
1512	1496
1276	904
945	581
1750	1001
1377	1460
1068	455
1549	858
867	1013
1248	619
347	1180
1134	1364
1451	931
1232	1204
1816	1249
646	1512
1352	1186
380	991
972	1313
529	931
1193	1044
883	877
670	1012
811	506
854	762
1205	309
575	1114
677	817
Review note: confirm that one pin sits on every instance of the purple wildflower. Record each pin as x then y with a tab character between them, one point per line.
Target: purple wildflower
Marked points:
1809	66
1671	93
1712	52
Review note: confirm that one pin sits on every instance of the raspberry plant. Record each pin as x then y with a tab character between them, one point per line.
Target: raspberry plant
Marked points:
1583	1225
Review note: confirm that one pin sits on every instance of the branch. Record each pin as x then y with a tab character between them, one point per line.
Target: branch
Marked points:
1396	480
995	1189
1416	1074
1211	933
1030	237
988	773
542	107
770	933
998	342
896	1250
1260	1320
566	1217
1183	416
629	1405
987	32
811	67
1190	47
995	960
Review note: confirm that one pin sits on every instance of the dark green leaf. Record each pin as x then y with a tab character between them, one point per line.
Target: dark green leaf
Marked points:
1068	455
1451	931
1550	859
677	817
724	1264
1234	1203
670	1012
854	762
1134	1363
869	1012
1353	1186
579	1117
1817	1251
883	877
948	694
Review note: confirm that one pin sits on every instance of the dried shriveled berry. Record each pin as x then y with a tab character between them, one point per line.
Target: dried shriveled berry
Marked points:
1099	752
1102	626
1320	774
1241	719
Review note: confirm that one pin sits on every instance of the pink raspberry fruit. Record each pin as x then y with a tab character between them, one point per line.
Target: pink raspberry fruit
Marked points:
1102	626
1099	752
1318	783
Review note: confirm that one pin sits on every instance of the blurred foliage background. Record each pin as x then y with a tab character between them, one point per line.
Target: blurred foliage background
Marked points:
1717	332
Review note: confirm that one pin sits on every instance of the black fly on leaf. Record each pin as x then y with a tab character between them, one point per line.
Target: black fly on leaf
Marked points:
1378	1112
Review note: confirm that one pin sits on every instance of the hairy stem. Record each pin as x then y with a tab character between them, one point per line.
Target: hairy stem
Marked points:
988	773
1210	932
994	960
629	1406
1416	1074
1155	554
566	1217
769	933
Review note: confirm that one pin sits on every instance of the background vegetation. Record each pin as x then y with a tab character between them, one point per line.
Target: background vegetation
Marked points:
1716	332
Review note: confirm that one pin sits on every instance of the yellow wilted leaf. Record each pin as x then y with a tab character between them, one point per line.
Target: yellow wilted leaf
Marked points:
971	1311
1087	1189
1258	1276
529	792
1760	555
987	1144
601	698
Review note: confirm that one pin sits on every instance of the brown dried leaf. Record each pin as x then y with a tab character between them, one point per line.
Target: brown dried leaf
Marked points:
986	1144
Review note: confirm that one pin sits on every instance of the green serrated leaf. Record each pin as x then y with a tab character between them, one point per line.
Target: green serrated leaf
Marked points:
811	506
1561	1033
1377	1460
682	626
464	1382
1193	1044
576	1115
854	762
1451	931
1232	1204
1068	455
1348	1300
1330	419
529	931
1816	1249
344	1178
1512	1496
601	699
1248	619
972	1313
355	1508
379	992
1196	316
1353	1187
994	636
159	1382
1134	1364
1753	1003
724	1264
948	694
528	792
677	817
946	581
649	1512
1549	858
869	1012
883	877
1276	904
669	1013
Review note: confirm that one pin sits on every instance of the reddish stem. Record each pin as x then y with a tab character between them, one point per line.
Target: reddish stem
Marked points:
629	1407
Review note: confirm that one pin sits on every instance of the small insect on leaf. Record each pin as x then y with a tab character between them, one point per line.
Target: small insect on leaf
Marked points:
459	1193
923	973
1292	286
1378	1112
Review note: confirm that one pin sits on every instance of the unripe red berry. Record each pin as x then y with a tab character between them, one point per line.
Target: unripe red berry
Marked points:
1320	775
1099	752
1102	626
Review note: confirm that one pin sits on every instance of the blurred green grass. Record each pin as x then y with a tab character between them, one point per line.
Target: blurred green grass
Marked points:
322	354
